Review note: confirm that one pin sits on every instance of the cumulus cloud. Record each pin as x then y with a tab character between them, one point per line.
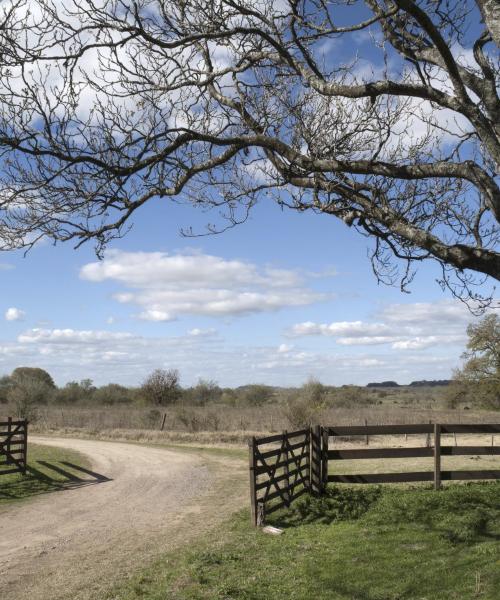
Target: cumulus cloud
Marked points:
124	357
14	314
340	328
167	285
414	326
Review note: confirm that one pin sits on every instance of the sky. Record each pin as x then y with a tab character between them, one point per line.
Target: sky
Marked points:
276	300
281	298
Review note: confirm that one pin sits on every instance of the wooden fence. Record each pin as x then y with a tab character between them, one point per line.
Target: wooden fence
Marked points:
280	470
312	461
13	446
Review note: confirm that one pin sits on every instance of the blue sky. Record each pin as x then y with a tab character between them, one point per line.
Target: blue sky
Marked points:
277	299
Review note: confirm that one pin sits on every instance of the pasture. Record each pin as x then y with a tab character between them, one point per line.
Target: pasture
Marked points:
164	514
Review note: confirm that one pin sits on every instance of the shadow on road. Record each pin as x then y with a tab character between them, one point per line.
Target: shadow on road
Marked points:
44	476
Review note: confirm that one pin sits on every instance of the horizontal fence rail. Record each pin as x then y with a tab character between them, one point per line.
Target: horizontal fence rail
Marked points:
436	451
279	471
285	466
13	446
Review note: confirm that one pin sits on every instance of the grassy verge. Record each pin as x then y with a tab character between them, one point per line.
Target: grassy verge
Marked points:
49	470
368	543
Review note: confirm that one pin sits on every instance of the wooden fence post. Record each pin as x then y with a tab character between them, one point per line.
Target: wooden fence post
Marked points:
9	433
315	460
437	456
253	476
324	459
286	469
367	437
25	446
163	421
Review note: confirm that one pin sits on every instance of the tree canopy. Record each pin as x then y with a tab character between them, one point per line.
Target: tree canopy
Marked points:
107	104
20	374
480	375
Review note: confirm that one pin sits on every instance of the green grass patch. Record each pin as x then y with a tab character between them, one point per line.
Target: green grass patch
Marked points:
355	543
49	469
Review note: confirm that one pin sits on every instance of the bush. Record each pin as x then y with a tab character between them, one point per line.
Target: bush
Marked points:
304	407
74	392
353	396
202	393
255	394
111	394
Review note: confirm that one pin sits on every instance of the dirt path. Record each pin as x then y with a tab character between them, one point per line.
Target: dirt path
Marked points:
77	542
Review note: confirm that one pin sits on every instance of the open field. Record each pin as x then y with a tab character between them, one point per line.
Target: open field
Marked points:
230	424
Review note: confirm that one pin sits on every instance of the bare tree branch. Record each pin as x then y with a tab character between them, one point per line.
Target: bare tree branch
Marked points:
106	104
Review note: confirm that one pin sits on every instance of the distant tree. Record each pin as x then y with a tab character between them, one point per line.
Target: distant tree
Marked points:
76	392
110	394
255	394
5	384
480	374
162	387
26	394
205	391
34	373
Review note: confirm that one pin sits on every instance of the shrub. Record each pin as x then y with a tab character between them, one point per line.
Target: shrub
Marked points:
255	394
110	394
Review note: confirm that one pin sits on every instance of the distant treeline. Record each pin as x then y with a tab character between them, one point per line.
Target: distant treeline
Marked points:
421	383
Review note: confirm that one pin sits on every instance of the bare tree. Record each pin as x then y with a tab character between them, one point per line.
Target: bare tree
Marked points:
161	387
106	104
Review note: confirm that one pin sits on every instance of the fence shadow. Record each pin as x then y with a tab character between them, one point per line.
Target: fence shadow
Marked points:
58	476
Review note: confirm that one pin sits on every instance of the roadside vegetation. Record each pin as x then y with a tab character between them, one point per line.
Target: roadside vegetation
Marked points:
367	543
49	470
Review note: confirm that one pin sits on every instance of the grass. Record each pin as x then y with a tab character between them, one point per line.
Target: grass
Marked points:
355	543
49	470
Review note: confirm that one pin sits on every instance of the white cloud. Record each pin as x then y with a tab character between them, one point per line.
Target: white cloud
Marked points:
167	285
6	267
105	356
154	315
70	336
341	328
414	326
196	332
14	314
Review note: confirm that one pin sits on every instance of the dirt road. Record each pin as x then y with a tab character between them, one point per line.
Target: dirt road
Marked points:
140	501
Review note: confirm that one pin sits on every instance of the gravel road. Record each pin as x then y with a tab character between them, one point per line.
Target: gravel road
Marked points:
75	543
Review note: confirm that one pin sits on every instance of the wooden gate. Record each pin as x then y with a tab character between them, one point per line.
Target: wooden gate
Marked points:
287	465
279	471
13	446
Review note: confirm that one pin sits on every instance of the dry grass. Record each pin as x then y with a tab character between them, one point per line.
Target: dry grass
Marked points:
217	417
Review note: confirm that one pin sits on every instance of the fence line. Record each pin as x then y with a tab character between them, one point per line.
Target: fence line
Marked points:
13	446
285	466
